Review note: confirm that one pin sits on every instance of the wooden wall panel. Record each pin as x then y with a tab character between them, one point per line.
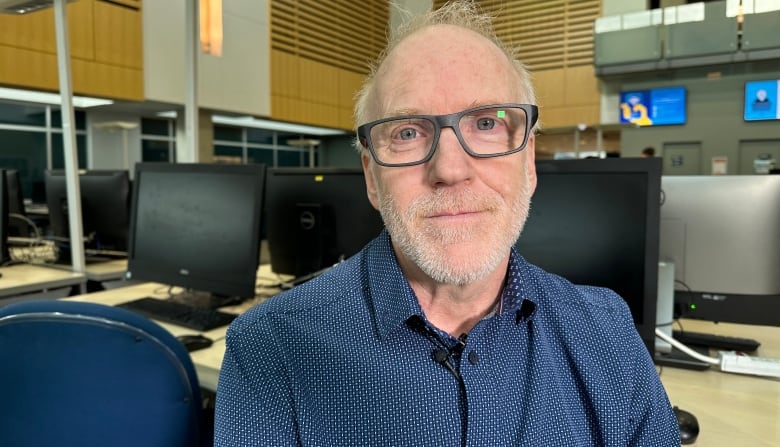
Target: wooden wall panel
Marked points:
319	81
568	97
568	116
82	35
285	77
349	84
550	90
109	81
105	46
36	31
20	67
555	39
30	31
279	107
319	55
118	39
582	86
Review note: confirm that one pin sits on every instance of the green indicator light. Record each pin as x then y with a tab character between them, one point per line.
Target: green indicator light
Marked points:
500	113
693	307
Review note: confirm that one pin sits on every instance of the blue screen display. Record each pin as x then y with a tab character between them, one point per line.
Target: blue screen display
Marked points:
653	107
761	98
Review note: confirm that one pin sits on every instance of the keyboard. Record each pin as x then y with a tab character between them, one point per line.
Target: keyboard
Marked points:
719	342
181	314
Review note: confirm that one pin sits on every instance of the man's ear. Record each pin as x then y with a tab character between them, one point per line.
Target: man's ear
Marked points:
530	150
365	159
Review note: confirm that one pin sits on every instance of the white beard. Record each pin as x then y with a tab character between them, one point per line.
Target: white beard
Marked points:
428	246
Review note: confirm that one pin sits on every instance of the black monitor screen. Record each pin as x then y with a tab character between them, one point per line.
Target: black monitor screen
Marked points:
17	225
317	217
4	257
596	222
197	226
105	207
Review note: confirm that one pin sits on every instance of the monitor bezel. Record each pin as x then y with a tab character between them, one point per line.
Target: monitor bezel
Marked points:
649	92
745	101
146	270
372	219
651	169
118	180
4	251
17	227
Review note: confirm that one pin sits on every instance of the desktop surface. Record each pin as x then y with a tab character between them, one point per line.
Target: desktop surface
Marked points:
731	409
106	270
207	361
19	279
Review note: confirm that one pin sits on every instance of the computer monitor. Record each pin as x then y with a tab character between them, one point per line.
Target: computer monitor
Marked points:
4	254
723	234
197	226
317	217
105	207
17	220
595	222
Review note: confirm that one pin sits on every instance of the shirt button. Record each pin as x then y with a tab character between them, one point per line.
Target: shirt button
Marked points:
473	357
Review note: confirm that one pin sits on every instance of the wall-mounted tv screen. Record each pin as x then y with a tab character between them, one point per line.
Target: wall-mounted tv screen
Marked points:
653	107
761	98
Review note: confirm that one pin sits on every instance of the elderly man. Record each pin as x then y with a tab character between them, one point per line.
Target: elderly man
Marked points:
438	333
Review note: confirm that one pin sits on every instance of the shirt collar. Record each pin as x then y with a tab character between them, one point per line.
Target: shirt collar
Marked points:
394	301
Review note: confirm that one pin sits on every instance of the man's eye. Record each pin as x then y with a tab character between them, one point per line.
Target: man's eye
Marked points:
407	134
485	123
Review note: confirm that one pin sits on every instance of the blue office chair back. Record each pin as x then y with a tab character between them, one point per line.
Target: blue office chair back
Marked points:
86	374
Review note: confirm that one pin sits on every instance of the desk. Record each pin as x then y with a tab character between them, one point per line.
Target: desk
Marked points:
19	279
98	271
732	409
207	361
106	271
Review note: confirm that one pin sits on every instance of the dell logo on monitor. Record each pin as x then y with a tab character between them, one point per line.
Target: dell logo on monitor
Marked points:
308	221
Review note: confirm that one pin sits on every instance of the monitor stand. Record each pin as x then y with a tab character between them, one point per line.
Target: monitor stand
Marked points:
310	245
665	353
664	313
679	359
199	298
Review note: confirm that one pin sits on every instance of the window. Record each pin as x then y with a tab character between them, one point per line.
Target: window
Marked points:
31	142
158	140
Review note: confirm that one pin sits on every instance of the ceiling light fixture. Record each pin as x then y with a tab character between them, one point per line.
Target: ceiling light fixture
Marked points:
13	94
248	121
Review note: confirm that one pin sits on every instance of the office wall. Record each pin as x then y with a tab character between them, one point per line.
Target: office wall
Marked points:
338	152
402	8
238	81
320	55
113	140
105	49
715	124
614	7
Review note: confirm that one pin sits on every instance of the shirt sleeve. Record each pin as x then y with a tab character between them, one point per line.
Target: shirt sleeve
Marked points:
653	421
253	405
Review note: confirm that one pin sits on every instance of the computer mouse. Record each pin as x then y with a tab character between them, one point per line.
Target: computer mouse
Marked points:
689	426
193	342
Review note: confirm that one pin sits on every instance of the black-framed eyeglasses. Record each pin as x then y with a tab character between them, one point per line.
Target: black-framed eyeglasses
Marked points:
484	132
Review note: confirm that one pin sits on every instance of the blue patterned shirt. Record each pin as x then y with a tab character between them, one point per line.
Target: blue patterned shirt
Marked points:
333	362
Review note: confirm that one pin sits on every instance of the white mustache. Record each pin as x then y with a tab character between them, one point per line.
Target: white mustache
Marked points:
445	202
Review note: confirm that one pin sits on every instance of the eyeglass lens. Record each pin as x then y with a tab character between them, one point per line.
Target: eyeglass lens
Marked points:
489	131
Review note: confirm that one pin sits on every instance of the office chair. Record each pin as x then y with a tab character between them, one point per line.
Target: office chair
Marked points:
86	374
